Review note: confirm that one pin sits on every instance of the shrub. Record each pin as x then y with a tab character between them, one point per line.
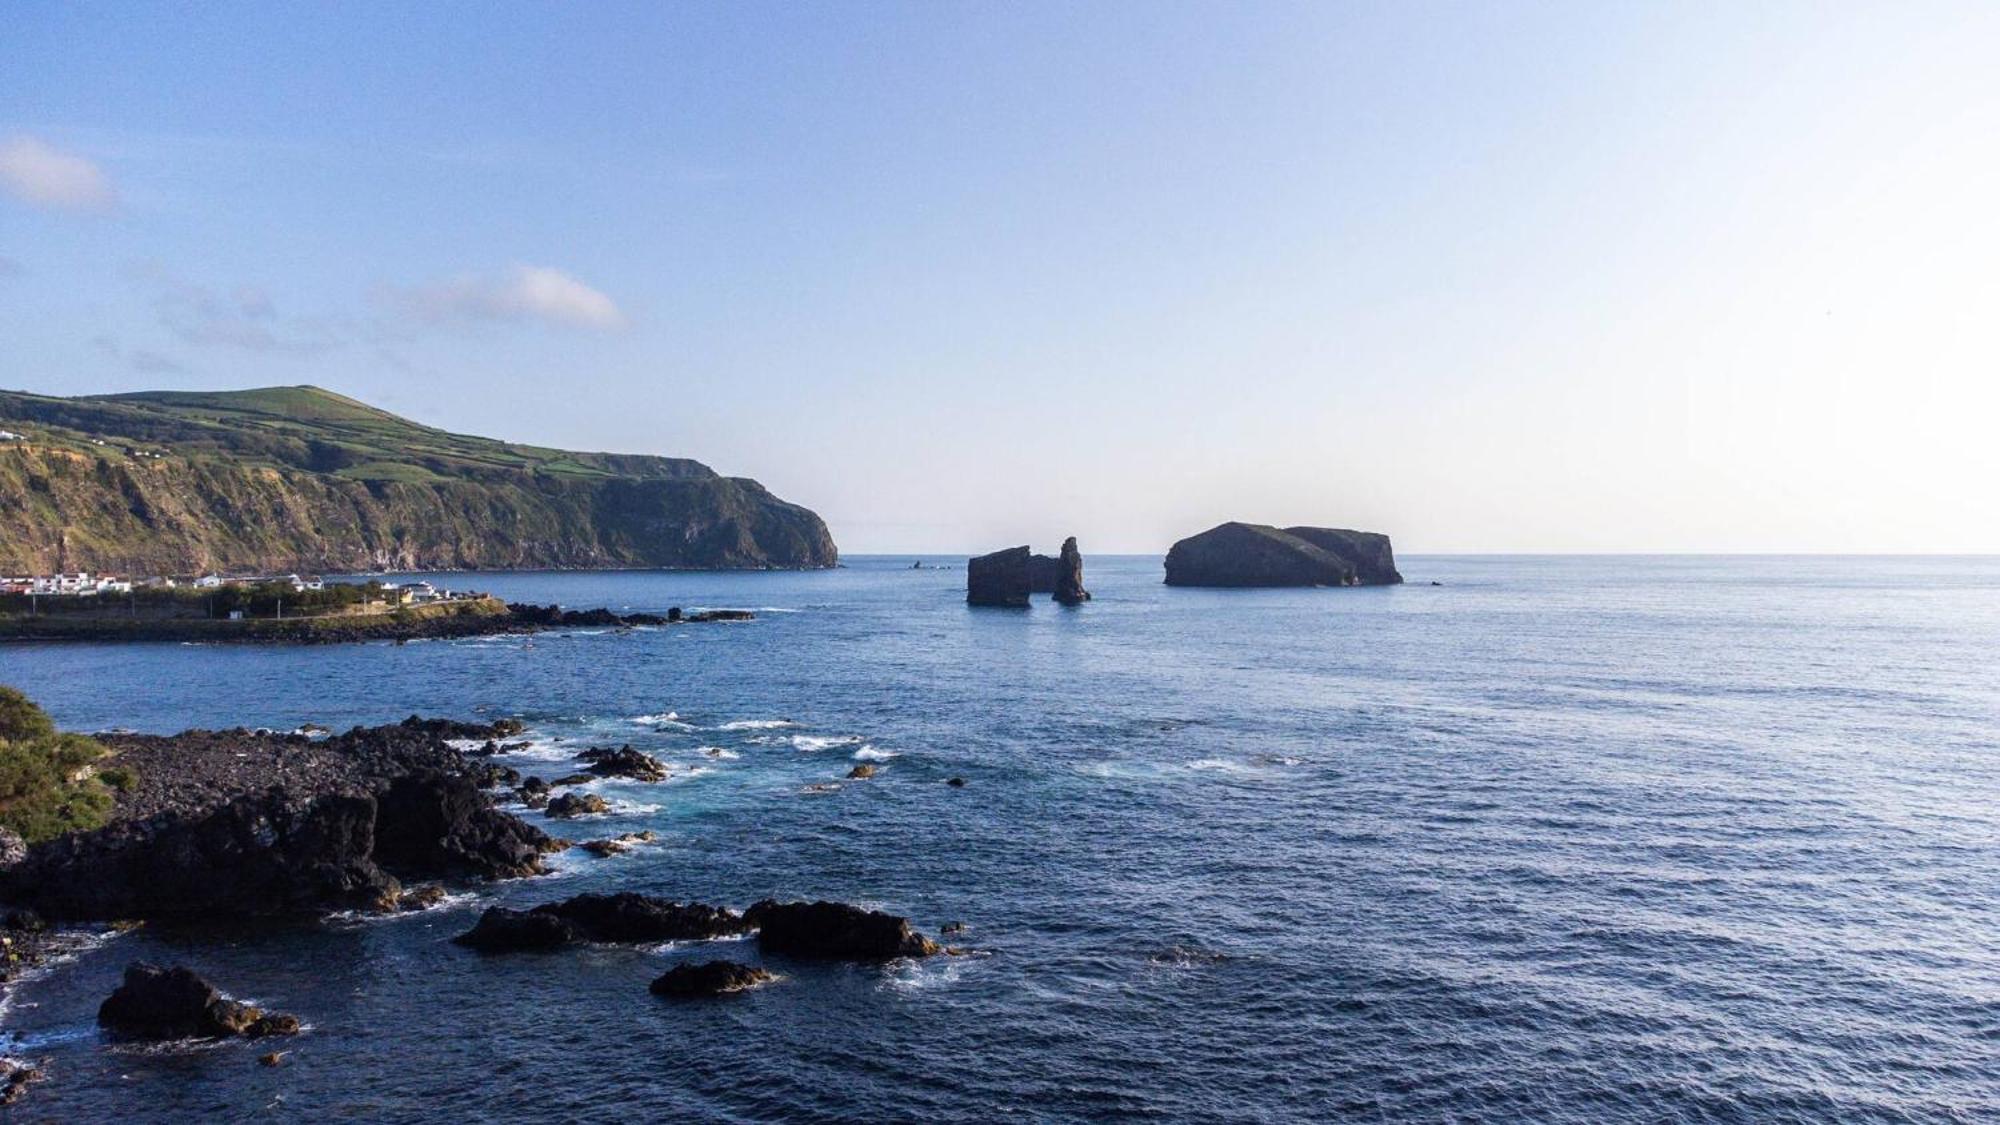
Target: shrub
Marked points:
47	785
20	719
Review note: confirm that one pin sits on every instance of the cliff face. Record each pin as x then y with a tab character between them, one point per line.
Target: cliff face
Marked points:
300	480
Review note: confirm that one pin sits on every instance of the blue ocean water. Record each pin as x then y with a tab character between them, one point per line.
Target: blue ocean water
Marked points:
1561	839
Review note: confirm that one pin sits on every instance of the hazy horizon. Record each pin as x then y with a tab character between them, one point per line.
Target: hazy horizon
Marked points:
1690	279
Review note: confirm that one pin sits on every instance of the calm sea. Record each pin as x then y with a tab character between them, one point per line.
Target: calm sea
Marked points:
1560	839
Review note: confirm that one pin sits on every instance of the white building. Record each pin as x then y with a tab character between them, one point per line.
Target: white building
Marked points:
208	582
9	435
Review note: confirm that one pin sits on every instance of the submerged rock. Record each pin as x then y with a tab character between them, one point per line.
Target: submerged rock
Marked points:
835	929
1068	587
998	579
156	1003
1245	554
710	978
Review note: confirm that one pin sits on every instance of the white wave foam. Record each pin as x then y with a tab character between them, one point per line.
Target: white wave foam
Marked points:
718	752
871	754
756	724
1226	764
662	717
813	742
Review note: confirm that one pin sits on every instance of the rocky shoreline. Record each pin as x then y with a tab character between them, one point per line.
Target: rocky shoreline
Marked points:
475	617
219	828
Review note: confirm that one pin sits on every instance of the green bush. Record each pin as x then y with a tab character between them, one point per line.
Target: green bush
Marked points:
20	719
48	783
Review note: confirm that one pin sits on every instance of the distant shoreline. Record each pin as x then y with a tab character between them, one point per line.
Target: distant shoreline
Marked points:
471	617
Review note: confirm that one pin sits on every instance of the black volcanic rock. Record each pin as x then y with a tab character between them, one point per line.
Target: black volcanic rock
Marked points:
998	579
1068	587
624	762
710	978
233	823
1043	571
501	930
1245	554
623	917
835	930
156	1003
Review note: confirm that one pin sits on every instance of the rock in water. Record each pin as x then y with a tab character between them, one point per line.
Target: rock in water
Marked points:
156	1003
501	930
1246	554
1068	587
1043	571
711	978
835	929
624	762
1000	578
578	804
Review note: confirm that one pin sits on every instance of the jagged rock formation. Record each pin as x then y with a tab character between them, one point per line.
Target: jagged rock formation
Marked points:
1248	554
999	579
299	479
710	978
236	823
1006	578
1069	575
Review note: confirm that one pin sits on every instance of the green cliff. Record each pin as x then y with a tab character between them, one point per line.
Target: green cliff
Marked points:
301	479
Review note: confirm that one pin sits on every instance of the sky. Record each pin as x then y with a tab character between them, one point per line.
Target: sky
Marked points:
1506	277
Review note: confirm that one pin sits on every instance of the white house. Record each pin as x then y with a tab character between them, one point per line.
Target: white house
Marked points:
208	582
9	435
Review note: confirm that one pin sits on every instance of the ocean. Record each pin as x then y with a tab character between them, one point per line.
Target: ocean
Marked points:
1564	839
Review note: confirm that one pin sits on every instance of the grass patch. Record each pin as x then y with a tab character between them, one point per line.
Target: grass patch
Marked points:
49	781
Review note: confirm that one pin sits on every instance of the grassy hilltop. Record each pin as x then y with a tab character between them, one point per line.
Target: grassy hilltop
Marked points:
299	478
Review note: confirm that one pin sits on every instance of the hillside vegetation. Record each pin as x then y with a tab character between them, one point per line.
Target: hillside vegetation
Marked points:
299	478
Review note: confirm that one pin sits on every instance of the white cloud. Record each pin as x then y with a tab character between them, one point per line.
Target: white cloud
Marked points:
198	315
39	174
524	293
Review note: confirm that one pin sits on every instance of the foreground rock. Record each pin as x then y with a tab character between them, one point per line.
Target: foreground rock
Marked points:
234	823
622	918
156	1003
710	978
835	930
1068	587
1245	554
998	579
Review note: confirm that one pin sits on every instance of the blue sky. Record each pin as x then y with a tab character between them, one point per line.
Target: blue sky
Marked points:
1487	277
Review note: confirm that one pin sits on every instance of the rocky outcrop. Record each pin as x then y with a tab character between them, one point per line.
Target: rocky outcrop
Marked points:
1068	587
298	479
624	917
710	978
835	930
998	579
156	1003
1245	554
235	823
577	804
624	762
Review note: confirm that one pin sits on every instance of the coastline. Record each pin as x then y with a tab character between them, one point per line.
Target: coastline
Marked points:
472	617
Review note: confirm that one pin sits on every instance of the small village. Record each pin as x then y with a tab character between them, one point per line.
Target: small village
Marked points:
84	584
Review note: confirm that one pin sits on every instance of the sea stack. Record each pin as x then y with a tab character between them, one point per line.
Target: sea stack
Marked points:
1069	575
998	579
1249	554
